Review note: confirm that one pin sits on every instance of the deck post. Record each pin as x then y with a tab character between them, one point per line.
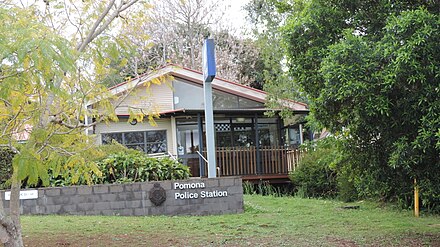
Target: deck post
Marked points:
301	137
257	146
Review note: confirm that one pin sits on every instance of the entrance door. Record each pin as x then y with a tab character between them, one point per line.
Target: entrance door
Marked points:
187	146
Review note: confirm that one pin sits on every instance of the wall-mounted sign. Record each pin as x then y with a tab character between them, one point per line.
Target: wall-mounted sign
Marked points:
24	194
157	194
208	60
196	194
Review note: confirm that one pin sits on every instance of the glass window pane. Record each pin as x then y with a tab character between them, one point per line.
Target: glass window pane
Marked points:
190	96
139	147
156	136
242	120
268	134
134	137
108	137
156	140
156	148
292	136
187	95
187	139
247	103
222	100
265	137
267	120
223	139
243	136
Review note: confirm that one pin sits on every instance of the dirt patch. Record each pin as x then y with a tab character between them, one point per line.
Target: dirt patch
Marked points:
413	240
164	239
341	242
140	238
104	240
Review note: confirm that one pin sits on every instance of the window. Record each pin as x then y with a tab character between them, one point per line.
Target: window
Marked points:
154	141
268	134
190	96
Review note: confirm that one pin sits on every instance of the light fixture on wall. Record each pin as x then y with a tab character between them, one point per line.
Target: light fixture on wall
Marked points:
133	122
240	119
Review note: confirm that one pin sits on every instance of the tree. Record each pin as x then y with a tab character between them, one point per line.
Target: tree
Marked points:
45	85
176	30
266	22
370	71
386	94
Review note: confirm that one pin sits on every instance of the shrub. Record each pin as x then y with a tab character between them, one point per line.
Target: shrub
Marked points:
346	186
334	168
248	188
135	166
6	156
105	150
430	194
119	164
265	188
324	171
314	177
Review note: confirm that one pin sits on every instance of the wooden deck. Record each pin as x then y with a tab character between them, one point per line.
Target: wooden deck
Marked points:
273	179
252	163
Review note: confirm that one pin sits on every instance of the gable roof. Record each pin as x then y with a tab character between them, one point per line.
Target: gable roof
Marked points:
196	77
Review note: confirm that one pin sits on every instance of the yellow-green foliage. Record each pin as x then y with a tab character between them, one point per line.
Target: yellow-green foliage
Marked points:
42	101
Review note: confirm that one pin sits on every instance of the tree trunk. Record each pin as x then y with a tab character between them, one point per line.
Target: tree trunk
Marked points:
10	234
15	239
10	231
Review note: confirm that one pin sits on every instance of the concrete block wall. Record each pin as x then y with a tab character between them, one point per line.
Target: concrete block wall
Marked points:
183	197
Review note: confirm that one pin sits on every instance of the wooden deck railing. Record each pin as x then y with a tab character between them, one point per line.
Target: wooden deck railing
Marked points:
234	161
293	158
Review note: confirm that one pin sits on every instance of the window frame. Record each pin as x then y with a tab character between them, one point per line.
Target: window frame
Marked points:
146	144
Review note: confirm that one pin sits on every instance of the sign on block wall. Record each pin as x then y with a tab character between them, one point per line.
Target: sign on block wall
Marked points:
195	196
24	194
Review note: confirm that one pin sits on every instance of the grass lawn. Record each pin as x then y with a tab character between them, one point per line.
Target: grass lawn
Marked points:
267	221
